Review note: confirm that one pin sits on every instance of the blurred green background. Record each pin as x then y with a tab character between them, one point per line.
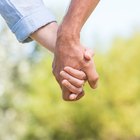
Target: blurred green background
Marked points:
31	107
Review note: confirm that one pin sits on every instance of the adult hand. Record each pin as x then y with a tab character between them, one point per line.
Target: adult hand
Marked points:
69	52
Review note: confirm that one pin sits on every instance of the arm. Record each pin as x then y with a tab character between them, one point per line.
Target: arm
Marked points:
73	79
77	15
69	51
25	17
30	20
46	36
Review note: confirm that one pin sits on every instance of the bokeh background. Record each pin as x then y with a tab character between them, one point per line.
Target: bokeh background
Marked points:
31	107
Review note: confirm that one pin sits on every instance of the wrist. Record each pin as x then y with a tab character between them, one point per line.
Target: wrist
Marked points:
67	34
46	36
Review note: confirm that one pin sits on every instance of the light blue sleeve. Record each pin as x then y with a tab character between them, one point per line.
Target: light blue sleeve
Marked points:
25	16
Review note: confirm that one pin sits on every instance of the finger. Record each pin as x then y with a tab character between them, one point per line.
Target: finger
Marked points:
70	87
65	93
75	73
92	75
80	95
74	97
75	82
88	54
69	96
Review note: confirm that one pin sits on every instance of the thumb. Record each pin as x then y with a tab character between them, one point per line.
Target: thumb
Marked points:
92	74
88	54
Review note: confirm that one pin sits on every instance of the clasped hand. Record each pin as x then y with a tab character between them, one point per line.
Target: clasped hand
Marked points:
72	65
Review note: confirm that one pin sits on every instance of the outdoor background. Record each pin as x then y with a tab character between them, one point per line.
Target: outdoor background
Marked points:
31	107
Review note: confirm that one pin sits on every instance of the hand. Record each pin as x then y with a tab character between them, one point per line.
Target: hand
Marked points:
73	81
69	52
64	56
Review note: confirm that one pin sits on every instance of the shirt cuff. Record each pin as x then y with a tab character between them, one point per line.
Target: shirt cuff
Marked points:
29	24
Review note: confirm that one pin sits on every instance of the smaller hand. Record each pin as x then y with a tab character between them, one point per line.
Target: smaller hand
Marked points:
73	81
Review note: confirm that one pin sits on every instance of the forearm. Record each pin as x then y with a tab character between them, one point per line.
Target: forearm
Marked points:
46	36
78	13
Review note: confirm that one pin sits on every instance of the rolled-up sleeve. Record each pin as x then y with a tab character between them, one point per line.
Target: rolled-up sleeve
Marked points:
25	17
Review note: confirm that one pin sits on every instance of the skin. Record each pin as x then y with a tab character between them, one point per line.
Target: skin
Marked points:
69	51
73	79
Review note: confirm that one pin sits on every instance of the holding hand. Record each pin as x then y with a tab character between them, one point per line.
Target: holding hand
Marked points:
68	53
74	79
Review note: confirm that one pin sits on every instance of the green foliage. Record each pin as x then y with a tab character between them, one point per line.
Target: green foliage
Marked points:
109	113
31	107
